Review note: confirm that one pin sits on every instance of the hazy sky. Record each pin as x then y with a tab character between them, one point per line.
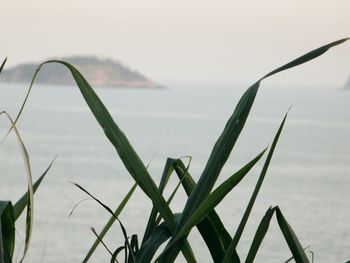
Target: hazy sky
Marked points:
184	40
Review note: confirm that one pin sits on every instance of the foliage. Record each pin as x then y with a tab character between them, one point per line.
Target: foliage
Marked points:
199	211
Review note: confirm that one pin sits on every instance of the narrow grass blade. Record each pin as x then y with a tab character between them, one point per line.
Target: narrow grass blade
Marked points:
111	212
30	196
151	245
22	202
110	223
116	253
259	235
151	224
173	193
134	244
292	240
228	138
307	57
101	241
211	227
291	258
3	65
7	232
216	197
258	185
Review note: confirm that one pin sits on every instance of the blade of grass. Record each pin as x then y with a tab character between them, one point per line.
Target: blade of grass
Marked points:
227	140
291	258
160	234
211	228
110	223
259	235
173	193
116	253
291	238
22	202
151	224
111	212
30	196
148	249
258	185
101	241
216	197
134	243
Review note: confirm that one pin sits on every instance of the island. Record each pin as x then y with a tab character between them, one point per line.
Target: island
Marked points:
98	72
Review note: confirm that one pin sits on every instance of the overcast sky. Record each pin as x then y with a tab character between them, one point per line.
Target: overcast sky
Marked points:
212	41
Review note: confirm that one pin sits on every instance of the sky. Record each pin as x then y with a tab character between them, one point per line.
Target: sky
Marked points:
193	41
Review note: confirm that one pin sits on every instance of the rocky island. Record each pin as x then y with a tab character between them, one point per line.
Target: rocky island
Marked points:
98	72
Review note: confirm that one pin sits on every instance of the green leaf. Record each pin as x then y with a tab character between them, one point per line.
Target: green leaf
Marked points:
258	185
160	234
134	246
30	196
260	234
116	252
151	224
7	232
211	228
3	64
216	197
292	240
110	222
22	202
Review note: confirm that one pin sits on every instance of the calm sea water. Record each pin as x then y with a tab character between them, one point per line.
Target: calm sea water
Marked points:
309	177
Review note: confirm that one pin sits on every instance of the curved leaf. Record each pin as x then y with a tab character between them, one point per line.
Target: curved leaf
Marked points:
110	223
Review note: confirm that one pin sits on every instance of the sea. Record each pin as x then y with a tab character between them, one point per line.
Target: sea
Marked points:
308	178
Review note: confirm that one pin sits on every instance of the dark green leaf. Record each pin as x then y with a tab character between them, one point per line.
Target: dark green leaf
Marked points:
22	202
110	222
151	225
116	253
7	232
258	185
259	235
216	197
211	228
292	240
160	234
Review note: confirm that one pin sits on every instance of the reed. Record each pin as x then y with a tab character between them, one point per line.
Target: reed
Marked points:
165	225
